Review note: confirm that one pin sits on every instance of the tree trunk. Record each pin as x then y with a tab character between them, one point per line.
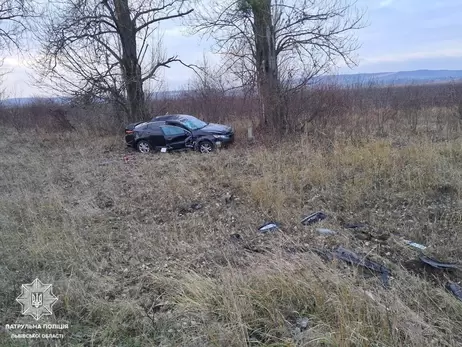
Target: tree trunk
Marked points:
130	65
266	62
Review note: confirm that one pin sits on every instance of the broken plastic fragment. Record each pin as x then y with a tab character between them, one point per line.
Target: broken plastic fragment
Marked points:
355	225
314	218
127	158
437	264
236	236
196	206
455	289
303	323
268	227
324	231
415	245
354	259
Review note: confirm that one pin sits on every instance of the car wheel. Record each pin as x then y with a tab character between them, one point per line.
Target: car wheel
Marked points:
206	146
143	146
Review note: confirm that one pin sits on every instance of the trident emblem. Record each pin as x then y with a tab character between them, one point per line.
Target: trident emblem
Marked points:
37	299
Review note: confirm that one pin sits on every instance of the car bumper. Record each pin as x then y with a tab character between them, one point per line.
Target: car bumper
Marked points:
224	142
130	140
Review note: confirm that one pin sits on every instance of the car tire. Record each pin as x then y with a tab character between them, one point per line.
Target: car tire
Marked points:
143	146
205	146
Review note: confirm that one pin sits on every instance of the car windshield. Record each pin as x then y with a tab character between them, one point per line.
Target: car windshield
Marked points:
193	123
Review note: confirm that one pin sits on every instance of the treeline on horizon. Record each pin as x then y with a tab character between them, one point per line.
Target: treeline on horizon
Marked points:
322	104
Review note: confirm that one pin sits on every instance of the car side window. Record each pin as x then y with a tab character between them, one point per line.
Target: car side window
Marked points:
152	127
172	130
176	124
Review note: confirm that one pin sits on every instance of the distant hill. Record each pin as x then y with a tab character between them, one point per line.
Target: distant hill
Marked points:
30	100
400	77
379	78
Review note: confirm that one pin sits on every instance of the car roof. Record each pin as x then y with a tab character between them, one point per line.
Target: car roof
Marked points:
158	123
172	117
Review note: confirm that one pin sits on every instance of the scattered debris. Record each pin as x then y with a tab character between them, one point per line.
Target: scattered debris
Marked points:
415	245
189	208
303	323
455	289
369	294
129	157
324	231
362	235
269	227
107	162
236	237
196	206
103	201
163	150
228	197
384	236
355	225
437	264
255	249
354	259
314	218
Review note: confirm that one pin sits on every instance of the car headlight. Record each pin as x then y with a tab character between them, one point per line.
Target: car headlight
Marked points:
220	136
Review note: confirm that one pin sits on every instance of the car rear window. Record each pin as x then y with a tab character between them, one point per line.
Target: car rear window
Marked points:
141	126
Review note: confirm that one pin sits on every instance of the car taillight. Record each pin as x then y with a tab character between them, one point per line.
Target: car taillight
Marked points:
129	132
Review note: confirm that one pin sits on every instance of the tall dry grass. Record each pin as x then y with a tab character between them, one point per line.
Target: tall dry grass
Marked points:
134	264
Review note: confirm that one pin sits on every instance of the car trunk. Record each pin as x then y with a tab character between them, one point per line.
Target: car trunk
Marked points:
130	133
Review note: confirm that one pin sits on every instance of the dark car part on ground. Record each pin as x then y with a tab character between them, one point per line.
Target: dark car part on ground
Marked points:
314	218
355	225
354	259
236	237
455	289
349	257
437	264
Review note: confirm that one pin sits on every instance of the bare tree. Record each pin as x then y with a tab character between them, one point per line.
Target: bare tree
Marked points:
101	48
13	22
284	43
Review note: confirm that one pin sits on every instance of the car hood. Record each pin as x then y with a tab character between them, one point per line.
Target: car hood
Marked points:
219	129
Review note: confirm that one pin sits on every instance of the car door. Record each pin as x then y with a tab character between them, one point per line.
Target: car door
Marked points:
155	136
174	136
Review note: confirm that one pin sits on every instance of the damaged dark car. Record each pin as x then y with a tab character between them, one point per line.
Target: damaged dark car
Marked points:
178	132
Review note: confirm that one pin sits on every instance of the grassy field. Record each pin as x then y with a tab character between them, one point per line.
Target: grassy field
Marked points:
140	252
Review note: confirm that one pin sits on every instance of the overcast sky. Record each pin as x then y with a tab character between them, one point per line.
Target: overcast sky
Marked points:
401	35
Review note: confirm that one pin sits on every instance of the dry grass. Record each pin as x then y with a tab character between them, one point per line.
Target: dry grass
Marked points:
134	265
